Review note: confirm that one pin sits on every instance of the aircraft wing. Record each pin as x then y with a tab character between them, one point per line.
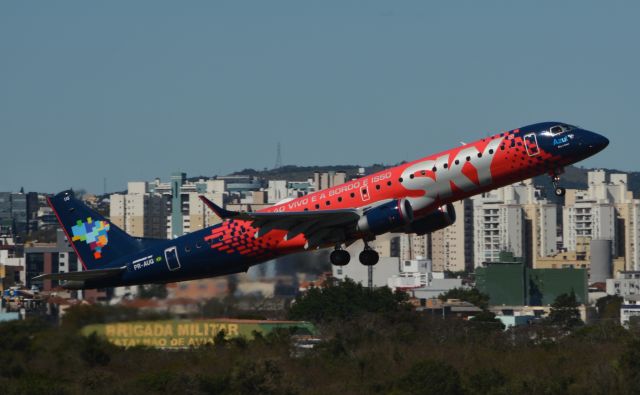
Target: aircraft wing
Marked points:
82	275
318	227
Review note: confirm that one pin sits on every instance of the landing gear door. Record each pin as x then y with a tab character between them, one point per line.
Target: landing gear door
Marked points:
531	144
171	255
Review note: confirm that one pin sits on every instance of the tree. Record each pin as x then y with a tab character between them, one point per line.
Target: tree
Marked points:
471	295
486	381
564	312
629	363
609	307
344	300
486	320
431	377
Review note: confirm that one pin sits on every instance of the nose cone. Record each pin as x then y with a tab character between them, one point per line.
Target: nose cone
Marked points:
595	142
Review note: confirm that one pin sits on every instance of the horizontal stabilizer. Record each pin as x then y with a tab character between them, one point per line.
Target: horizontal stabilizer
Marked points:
83	275
220	212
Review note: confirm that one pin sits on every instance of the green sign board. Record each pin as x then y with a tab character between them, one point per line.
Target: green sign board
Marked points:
188	333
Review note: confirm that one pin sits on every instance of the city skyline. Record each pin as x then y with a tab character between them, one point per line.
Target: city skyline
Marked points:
138	91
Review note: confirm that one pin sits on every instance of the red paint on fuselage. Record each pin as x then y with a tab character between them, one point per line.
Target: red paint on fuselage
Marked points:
460	172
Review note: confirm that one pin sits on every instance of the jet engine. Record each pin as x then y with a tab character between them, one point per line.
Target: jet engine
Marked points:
385	217
439	219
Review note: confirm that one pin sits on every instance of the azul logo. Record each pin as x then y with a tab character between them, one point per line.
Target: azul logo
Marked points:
560	141
92	233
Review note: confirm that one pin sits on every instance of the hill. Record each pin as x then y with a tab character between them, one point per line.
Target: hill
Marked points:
573	177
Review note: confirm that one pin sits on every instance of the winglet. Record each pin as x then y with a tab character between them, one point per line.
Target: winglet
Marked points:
220	212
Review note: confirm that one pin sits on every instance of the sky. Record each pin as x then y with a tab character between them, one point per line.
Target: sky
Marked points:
133	90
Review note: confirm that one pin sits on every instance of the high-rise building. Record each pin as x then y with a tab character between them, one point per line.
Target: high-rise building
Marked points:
178	179
19	212
14	217
138	212
6	222
328	179
184	210
412	246
606	211
452	247
517	219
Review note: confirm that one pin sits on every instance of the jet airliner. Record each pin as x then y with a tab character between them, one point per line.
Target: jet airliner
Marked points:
414	197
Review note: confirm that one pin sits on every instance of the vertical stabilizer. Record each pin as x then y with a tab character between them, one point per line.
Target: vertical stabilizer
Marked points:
97	241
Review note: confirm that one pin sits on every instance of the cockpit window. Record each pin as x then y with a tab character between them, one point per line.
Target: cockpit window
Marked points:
561	128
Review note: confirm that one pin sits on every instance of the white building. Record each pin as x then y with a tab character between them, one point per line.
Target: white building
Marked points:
608	211
277	191
359	273
515	218
589	218
415	273
630	308
625	284
417	277
497	227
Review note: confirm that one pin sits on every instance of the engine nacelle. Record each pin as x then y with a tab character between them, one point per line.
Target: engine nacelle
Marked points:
439	219
385	217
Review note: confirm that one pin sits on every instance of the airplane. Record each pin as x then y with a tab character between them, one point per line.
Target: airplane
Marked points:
414	197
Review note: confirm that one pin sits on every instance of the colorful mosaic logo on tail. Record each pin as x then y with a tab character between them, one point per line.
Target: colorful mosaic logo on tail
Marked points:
92	233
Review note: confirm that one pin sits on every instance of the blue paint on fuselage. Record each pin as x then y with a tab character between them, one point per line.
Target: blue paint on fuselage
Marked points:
573	144
196	257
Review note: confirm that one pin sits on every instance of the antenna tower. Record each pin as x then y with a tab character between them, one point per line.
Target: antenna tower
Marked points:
278	157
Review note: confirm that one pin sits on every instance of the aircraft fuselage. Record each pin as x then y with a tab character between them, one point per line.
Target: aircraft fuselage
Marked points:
427	184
